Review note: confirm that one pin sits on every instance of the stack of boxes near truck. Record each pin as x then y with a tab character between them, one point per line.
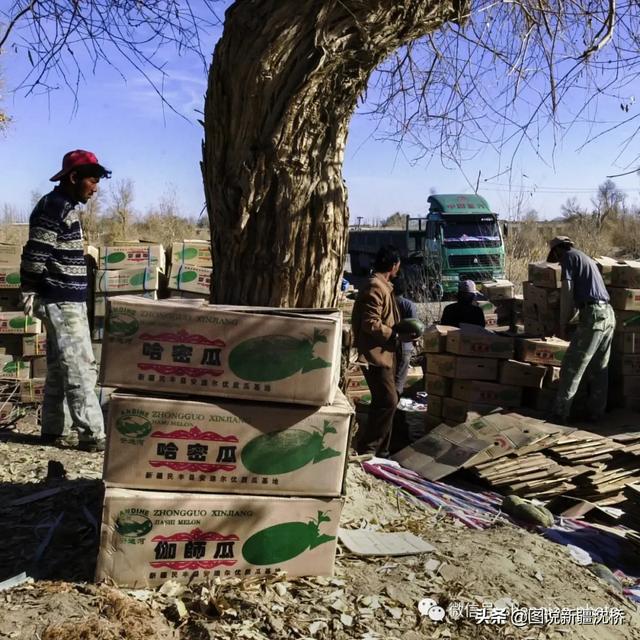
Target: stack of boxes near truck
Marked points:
541	305
473	370
190	273
624	369
542	354
537	371
463	370
22	352
501	307
245	480
125	268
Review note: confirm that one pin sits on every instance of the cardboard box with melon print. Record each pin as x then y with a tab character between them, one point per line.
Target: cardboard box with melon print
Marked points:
479	343
10	276
227	446
15	322
190	278
125	281
191	252
277	355
14	368
133	255
149	537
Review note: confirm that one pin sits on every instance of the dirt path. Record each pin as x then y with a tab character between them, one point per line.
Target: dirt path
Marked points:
368	597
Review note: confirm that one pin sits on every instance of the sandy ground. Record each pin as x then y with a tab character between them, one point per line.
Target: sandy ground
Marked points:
53	537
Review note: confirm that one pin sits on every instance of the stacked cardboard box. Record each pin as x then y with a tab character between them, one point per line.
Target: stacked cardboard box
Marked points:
125	269
463	368
190	273
541	305
472	371
497	290
246	481
19	364
356	387
543	357
625	351
502	307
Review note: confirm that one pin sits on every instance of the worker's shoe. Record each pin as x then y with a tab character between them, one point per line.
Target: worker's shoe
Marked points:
55	440
92	446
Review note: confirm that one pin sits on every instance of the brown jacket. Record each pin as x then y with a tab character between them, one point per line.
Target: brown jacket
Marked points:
375	313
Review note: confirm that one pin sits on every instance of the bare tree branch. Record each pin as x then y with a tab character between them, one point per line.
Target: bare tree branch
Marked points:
14	20
64	38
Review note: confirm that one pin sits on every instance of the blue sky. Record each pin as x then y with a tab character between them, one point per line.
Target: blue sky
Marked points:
126	125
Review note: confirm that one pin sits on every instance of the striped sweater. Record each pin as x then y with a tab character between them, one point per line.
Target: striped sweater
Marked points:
53	264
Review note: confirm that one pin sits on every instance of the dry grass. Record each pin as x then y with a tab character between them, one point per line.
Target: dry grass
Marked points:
619	238
119	616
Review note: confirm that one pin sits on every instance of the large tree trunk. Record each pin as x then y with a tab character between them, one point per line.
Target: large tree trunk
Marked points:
284	82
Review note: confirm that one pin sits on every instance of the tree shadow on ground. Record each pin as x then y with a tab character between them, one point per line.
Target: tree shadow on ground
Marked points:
50	529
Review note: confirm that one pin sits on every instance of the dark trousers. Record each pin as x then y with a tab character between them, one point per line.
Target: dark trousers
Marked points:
384	399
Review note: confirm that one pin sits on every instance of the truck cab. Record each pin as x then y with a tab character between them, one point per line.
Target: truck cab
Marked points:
462	239
459	239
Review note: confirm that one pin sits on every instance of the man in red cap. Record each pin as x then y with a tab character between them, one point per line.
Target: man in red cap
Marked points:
53	276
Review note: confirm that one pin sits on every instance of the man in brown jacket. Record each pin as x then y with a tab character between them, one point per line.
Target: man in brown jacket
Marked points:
374	317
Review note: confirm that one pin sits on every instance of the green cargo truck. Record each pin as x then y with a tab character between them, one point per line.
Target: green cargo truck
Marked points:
459	239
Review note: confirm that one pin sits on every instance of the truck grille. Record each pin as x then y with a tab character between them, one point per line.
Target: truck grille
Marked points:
474	261
477	276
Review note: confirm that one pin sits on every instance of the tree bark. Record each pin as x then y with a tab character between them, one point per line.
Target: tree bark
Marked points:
284	82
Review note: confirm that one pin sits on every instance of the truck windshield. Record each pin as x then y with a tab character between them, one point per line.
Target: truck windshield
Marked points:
479	230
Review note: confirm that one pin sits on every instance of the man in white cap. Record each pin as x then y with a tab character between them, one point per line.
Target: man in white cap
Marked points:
588	354
53	276
465	311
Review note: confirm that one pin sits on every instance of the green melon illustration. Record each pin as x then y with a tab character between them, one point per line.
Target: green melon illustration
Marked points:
21	322
133	525
287	450
188	253
138	279
187	276
282	542
133	426
14	367
275	357
115	257
13	278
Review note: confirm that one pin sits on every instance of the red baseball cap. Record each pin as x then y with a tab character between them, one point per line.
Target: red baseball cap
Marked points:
78	158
